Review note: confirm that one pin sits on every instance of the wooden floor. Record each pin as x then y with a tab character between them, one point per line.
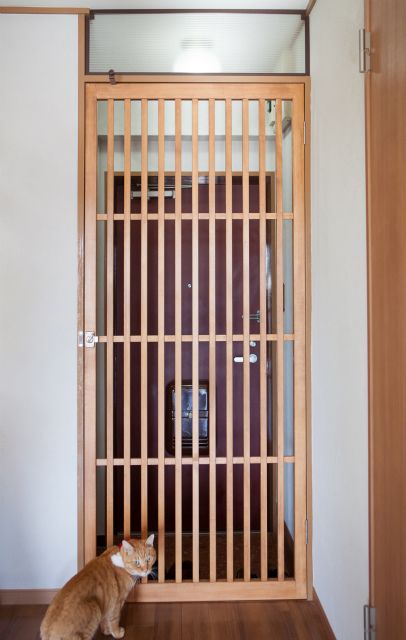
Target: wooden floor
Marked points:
293	620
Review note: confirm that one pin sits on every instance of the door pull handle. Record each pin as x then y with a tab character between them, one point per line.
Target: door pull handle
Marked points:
253	358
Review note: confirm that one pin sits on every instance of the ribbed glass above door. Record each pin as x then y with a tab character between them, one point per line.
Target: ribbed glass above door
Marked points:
197	42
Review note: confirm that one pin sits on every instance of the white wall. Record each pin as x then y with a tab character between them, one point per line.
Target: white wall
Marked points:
339	320
38	210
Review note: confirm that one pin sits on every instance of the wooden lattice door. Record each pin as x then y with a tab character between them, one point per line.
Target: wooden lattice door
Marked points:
194	287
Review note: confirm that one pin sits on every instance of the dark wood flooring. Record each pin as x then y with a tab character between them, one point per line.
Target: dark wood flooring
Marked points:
285	620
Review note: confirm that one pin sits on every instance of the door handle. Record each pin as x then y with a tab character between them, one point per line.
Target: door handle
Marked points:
253	358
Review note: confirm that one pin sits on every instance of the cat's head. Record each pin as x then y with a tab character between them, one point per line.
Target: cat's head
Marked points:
136	556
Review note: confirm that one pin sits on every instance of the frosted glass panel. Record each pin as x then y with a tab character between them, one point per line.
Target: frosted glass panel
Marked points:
197	43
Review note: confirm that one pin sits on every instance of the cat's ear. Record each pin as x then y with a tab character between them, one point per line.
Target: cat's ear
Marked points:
150	540
128	548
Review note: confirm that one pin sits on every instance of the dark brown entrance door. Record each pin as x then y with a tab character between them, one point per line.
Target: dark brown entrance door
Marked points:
238	430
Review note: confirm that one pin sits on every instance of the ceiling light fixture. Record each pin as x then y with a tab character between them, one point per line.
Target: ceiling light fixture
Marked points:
197	56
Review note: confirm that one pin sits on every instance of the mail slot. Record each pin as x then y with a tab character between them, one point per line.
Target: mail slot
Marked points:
187	418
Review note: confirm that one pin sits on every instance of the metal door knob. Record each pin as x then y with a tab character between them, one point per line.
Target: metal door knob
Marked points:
253	358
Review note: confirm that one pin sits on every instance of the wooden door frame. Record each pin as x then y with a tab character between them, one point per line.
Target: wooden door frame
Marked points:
386	305
83	80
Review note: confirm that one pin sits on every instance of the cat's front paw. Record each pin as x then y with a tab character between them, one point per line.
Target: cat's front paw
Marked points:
119	633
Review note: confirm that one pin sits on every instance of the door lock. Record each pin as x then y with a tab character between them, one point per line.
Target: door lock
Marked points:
253	358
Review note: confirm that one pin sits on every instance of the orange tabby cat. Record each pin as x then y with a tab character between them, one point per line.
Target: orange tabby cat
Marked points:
95	596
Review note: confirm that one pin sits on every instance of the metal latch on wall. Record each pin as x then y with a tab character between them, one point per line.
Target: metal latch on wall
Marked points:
364	51
369	622
87	339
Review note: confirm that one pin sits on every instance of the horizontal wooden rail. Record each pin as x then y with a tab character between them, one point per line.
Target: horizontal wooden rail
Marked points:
118	462
238	337
102	217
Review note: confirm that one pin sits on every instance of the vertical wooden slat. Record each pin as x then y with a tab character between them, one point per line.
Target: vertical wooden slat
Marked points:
263	344
80	357
246	342
299	372
178	342
127	317
144	318
280	341
161	341
110	323
195	338
212	338
229	345
299	307
89	506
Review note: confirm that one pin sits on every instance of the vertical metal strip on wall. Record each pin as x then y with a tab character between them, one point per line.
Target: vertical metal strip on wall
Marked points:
246	342
212	339
178	341
110	323
263	344
229	346
127	318
161	341
195	338
280	341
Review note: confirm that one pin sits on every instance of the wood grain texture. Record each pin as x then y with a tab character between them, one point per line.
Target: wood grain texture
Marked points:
110	324
89	392
178	341
386	221
229	344
212	339
127	318
81	288
195	339
294	620
144	318
308	318
299	305
195	90
247	589
161	342
263	345
246	342
280	342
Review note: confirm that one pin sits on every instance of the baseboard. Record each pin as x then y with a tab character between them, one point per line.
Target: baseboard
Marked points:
327	624
26	596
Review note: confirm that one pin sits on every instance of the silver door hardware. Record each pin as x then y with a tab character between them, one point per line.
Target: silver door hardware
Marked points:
87	339
369	622
255	316
253	358
253	343
364	51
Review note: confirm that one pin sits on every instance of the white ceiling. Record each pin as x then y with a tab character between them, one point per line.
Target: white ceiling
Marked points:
165	4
